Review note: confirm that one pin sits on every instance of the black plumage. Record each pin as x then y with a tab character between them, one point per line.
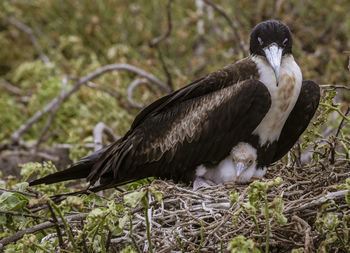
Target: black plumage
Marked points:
200	123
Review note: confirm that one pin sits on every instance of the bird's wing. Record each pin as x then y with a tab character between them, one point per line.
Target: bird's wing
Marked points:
198	124
299	118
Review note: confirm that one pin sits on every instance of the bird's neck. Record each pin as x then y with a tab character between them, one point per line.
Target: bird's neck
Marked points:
283	96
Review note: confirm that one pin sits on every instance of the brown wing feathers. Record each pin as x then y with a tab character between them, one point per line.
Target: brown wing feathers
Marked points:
196	124
195	131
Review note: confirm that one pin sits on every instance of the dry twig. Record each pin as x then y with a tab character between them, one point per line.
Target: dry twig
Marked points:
239	42
155	41
53	112
15	237
99	129
134	84
32	37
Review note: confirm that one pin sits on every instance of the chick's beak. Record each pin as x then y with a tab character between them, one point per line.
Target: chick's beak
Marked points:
274	56
239	169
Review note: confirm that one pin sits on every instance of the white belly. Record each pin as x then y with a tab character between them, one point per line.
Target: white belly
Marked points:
283	96
222	173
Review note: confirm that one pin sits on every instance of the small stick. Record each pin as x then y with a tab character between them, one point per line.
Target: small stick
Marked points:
24	215
114	94
155	41
334	144
53	113
15	191
335	86
230	22
99	129
58	230
32	37
10	87
15	237
131	88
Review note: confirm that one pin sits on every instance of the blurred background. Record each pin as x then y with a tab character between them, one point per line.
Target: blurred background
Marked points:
47	45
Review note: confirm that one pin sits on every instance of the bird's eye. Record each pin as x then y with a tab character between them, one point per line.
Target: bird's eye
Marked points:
250	162
285	42
261	42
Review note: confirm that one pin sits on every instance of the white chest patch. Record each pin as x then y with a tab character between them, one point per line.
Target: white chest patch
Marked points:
283	96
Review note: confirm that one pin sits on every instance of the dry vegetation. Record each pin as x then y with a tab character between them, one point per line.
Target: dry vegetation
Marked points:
67	66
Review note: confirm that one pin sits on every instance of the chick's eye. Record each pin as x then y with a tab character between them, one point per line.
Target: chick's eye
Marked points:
261	42
250	162
285	42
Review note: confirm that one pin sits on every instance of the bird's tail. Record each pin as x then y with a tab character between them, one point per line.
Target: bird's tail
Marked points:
78	170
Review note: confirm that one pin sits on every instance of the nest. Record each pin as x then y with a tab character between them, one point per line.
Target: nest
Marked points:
203	221
207	220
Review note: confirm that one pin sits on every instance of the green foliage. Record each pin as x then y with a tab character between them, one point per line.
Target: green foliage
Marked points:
258	192
300	250
345	186
10	201
40	170
334	226
128	249
240	244
134	198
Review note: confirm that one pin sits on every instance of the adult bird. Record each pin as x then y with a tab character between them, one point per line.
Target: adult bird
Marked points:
259	100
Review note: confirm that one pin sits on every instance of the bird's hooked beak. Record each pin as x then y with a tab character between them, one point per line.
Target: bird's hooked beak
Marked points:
239	169
274	56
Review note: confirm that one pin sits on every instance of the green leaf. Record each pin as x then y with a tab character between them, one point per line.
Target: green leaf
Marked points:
249	209
3	219
134	198
233	197
122	221
128	249
347	198
276	208
300	250
157	194
331	221
12	201
21	186
240	244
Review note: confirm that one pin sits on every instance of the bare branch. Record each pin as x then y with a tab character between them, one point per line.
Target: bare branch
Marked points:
99	129
166	70
15	237
58	230
319	201
335	86
117	96
32	37
155	41
131	88
239	42
10	87
200	22
15	137
334	144
69	146
14	191
308	243
14	213
32	153
53	113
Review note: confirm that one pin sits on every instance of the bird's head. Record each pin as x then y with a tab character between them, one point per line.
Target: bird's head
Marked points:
271	39
244	159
